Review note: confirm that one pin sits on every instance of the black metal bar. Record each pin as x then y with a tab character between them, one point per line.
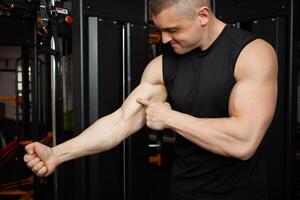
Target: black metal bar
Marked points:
93	70
229	19
35	107
57	101
8	70
116	18
35	92
124	84
292	104
93	99
137	143
78	51
79	189
128	142
25	93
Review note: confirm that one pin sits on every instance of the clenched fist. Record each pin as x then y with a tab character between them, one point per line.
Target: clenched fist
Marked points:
40	159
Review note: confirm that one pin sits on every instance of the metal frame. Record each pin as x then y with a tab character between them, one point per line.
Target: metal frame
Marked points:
292	100
85	70
93	68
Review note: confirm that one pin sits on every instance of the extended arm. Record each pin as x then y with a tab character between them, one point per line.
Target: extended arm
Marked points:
109	131
106	132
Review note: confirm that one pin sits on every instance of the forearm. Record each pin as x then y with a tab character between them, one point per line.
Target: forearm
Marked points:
224	136
103	135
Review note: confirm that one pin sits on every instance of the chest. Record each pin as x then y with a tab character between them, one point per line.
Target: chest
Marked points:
202	86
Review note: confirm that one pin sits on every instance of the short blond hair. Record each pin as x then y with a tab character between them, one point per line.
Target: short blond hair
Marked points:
157	6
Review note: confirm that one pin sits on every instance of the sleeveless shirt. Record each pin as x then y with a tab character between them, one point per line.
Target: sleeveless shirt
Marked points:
199	83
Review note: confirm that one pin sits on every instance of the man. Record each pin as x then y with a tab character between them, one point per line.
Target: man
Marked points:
221	86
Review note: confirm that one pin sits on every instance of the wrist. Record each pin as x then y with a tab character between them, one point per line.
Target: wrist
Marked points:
169	118
56	155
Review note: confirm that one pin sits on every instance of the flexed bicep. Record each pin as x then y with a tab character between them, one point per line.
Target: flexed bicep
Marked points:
151	89
133	113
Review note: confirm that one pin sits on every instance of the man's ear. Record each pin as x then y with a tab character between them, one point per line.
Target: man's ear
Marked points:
204	14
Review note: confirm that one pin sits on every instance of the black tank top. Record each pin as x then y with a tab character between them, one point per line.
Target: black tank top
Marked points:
199	83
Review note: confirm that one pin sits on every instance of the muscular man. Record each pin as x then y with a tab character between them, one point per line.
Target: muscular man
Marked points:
221	88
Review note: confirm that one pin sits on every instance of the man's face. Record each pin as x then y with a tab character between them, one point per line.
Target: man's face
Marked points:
182	32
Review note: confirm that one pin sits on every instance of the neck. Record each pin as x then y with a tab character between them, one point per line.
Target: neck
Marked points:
211	32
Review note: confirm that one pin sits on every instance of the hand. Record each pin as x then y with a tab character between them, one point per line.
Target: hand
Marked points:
155	113
40	159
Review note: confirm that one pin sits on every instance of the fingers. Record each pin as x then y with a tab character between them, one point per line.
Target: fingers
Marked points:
36	168
40	169
31	164
30	148
42	172
36	165
28	157
143	102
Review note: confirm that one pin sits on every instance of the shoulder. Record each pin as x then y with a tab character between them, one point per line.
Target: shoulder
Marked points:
257	58
153	72
259	46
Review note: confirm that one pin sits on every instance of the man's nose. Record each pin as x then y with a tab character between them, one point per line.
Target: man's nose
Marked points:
166	37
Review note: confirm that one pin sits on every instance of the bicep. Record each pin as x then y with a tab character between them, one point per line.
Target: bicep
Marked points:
253	99
253	102
131	109
151	88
